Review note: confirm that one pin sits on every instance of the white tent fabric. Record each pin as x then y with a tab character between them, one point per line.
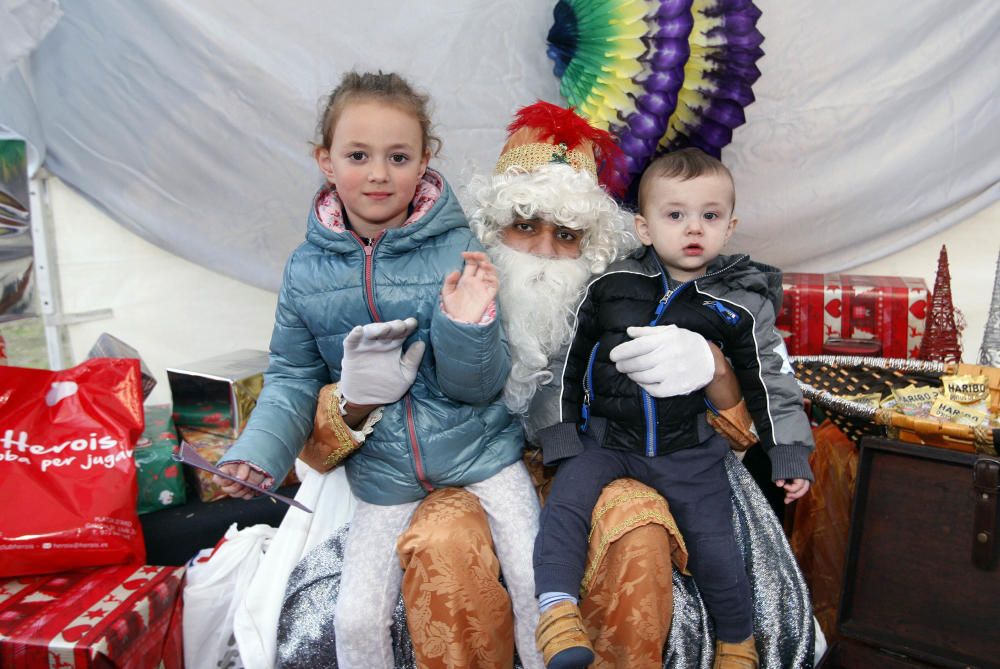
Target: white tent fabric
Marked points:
25	23
875	125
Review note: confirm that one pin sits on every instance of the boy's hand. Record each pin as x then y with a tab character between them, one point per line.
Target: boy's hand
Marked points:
794	488
240	470
467	294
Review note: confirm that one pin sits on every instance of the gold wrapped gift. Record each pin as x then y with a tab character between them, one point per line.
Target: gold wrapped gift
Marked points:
217	394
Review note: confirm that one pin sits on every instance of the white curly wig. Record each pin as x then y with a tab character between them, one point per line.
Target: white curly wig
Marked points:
557	193
538	295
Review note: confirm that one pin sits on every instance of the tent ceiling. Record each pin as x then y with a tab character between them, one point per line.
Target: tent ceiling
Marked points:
875	124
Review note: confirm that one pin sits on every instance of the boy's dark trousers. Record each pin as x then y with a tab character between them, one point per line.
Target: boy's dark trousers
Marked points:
695	484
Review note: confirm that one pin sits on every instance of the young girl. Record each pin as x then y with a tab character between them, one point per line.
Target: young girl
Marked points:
382	236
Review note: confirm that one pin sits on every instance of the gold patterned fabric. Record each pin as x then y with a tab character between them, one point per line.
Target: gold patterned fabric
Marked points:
735	425
822	522
627	599
460	616
457	612
331	440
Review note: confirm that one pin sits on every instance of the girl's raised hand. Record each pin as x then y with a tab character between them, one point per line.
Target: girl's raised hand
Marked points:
466	295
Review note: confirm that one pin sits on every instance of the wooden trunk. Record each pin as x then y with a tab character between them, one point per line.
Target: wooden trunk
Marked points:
912	595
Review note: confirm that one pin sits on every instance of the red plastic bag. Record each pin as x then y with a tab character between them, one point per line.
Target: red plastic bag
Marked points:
67	477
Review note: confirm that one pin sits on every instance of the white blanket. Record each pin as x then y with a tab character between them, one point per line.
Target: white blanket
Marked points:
256	621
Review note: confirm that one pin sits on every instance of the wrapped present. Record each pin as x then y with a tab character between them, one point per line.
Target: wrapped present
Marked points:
820	307
217	395
108	346
161	483
125	617
212	447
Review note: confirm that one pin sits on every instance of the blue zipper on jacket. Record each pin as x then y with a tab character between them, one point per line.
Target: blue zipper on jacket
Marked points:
368	284
649	404
588	383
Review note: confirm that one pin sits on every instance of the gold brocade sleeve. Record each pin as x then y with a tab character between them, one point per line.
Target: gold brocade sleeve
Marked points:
735	425
332	439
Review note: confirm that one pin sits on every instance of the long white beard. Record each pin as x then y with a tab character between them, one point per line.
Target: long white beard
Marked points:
538	297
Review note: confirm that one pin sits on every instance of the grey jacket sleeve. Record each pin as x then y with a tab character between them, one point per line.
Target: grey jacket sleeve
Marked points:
561	439
773	396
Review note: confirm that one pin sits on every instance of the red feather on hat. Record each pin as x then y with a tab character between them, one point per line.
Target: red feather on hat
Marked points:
564	126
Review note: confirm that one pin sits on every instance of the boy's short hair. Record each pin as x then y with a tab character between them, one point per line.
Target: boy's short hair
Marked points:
683	164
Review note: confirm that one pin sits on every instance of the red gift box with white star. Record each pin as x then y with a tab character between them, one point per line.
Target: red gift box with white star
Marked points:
128	617
819	307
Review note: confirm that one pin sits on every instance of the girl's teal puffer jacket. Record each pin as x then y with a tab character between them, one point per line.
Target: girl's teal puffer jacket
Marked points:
451	429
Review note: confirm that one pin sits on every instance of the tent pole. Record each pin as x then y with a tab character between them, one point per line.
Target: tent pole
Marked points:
45	270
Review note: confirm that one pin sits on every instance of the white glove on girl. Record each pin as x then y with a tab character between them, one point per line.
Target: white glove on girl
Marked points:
374	369
665	360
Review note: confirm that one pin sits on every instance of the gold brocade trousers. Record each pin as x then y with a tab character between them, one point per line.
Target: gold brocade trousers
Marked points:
459	615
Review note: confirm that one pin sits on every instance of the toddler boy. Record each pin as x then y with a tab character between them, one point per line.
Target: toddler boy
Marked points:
616	423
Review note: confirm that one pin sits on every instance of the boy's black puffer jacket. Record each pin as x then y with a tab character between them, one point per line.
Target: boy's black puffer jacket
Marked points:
733	306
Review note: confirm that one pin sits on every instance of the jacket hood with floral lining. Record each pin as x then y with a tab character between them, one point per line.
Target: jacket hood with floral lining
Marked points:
434	207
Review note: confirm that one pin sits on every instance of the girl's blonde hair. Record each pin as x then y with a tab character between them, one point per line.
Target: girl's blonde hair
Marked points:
386	88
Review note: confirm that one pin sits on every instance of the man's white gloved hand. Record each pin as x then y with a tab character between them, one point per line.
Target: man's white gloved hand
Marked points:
665	360
374	369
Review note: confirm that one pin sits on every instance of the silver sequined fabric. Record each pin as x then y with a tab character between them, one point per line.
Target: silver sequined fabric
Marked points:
306	637
783	622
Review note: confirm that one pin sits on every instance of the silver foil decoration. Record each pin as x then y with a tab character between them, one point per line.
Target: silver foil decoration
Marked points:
828	400
783	620
908	365
989	350
17	283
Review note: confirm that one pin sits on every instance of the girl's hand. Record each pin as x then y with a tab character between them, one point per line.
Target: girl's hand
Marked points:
794	488
466	295
243	471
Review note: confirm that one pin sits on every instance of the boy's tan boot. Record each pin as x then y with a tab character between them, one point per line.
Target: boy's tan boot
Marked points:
561	637
742	655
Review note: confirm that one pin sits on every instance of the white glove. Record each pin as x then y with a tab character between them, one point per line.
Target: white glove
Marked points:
665	360
374	369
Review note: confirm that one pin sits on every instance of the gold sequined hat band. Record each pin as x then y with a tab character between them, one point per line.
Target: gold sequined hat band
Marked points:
530	156
543	134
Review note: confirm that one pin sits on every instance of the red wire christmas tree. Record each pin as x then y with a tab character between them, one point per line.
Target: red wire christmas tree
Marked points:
940	342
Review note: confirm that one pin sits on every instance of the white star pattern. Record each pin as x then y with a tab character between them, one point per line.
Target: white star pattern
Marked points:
782	352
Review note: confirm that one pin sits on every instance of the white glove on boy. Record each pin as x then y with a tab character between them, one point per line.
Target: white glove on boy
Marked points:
374	369
665	360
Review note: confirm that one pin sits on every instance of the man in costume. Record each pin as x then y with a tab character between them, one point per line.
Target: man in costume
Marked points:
548	224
